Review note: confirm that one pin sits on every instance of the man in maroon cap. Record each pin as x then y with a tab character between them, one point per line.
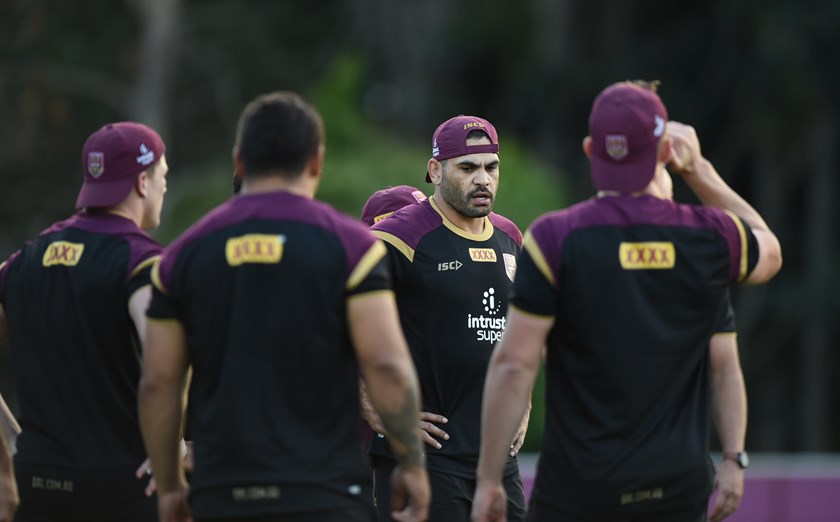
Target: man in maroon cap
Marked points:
72	303
624	290
385	202
453	262
381	205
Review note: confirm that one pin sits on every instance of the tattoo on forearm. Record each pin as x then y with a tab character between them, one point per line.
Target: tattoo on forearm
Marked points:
401	426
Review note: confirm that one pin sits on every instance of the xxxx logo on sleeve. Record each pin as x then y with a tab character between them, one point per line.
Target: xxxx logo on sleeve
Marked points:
63	253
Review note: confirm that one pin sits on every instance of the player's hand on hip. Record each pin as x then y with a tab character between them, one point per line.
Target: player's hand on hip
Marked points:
489	503
729	483
410	494
430	431
145	470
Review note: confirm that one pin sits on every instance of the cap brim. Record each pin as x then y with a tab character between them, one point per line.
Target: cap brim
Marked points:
104	194
622	176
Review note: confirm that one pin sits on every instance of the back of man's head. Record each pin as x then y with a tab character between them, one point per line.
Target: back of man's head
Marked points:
112	158
278	134
626	125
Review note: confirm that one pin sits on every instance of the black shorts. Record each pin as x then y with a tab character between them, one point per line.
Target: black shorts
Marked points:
452	496
65	494
360	514
538	512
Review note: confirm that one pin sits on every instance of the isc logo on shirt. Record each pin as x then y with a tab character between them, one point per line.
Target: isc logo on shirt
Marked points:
63	253
483	255
254	248
652	255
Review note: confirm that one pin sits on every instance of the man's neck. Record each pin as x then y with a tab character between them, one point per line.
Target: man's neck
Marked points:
300	185
129	211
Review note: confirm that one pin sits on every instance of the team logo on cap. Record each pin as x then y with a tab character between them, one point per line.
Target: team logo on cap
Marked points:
95	164
617	146
146	157
435	149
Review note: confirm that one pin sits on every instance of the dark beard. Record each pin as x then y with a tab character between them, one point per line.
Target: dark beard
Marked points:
461	202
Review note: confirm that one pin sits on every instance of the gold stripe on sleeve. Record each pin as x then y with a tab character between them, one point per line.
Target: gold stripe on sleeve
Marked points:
370	294
725	334
156	277
142	266
374	254
396	242
533	249
742	272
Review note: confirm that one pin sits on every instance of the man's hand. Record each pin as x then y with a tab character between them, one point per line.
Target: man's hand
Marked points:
519	440
729	483
489	503
685	148
145	468
410	493
429	429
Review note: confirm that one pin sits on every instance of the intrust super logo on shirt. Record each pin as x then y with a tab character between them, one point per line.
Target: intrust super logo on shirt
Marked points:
483	255
654	255
254	248
63	253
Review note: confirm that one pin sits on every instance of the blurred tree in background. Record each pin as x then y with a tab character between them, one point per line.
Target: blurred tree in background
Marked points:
757	80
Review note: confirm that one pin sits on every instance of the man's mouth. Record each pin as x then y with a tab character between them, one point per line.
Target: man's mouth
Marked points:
481	198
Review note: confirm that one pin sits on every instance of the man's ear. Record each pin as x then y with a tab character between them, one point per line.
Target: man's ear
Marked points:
664	152
238	169
316	164
435	170
587	146
140	184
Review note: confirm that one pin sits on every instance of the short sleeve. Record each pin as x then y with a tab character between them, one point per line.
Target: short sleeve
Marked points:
371	273
743	248
534	290
162	306
141	275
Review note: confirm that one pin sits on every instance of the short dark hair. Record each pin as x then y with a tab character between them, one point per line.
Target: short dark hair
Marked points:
278	133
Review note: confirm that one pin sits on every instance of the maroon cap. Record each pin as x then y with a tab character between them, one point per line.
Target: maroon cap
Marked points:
112	158
385	202
450	138
626	124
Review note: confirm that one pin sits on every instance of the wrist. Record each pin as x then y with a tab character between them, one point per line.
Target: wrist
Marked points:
695	168
740	458
413	459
